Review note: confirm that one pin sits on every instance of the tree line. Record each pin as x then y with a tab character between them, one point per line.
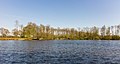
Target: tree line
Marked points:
42	32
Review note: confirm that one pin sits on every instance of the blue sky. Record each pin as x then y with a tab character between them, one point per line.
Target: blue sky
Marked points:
60	13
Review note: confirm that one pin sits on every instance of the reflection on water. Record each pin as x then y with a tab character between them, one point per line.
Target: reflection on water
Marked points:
60	52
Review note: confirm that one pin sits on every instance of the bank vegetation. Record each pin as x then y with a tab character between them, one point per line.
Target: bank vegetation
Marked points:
42	32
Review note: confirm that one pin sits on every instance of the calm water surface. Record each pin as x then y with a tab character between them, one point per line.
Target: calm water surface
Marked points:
60	52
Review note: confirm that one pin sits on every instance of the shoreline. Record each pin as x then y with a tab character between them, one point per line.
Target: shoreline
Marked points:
15	39
34	39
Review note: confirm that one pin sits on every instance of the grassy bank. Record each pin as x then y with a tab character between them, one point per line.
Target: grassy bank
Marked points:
15	39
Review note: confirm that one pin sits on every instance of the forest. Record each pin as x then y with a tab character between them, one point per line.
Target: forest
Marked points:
42	32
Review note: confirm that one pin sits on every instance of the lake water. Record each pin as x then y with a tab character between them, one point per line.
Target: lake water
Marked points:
60	52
